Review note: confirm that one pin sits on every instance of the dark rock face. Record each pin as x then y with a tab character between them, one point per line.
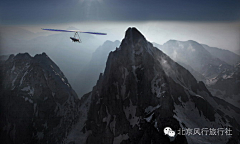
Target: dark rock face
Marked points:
37	103
142	91
78	135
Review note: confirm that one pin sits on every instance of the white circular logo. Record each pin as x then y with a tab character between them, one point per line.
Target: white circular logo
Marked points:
168	131
171	133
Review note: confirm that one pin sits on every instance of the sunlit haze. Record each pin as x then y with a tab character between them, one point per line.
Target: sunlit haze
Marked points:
214	22
224	35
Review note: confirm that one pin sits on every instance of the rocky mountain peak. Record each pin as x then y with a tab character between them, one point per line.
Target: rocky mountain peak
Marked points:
133	35
22	56
27	56
39	96
142	91
42	56
134	47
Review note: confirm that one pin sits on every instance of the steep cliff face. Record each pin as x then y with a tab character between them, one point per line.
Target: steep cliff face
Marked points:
37	103
142	91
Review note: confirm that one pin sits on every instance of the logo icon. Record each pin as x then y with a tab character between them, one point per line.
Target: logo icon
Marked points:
168	131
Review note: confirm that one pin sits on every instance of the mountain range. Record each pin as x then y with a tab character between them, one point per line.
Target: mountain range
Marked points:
217	68
138	91
195	55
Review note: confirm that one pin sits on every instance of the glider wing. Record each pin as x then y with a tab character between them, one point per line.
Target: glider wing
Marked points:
58	30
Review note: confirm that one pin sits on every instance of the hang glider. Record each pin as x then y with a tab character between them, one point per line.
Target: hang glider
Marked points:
76	37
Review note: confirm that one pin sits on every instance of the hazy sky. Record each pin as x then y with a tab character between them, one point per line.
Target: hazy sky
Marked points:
213	22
